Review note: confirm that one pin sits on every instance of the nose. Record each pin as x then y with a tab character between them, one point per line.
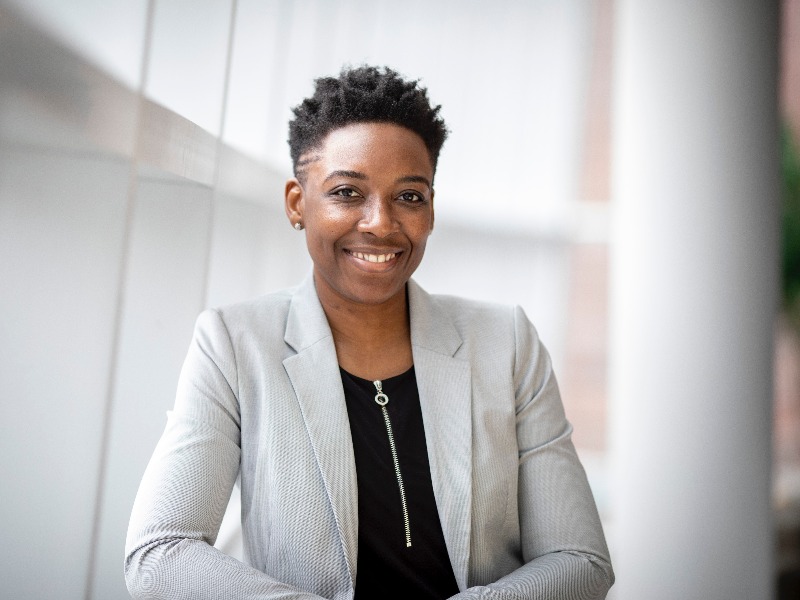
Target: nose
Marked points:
379	218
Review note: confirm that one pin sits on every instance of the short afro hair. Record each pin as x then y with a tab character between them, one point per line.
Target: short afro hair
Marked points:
362	95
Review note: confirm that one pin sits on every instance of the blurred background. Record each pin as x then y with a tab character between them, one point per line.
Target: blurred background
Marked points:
627	171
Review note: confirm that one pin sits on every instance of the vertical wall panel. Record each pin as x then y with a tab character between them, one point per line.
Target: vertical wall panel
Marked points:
187	59
252	96
62	221
255	250
237	251
286	262
163	295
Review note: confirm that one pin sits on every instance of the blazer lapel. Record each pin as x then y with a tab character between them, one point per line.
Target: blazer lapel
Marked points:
314	373
445	393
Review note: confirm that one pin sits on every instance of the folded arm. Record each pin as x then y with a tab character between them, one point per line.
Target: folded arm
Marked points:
562	543
187	485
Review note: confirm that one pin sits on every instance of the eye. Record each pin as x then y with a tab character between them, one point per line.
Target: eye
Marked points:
346	192
411	197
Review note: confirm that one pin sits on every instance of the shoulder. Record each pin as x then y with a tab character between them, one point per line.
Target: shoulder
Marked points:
265	314
270	304
467	313
478	323
499	341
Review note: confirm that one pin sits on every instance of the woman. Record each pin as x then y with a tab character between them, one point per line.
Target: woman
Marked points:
387	442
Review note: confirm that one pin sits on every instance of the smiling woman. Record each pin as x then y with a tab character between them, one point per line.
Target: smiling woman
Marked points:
387	442
366	202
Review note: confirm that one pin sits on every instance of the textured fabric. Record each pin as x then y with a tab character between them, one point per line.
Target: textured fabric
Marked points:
423	570
260	399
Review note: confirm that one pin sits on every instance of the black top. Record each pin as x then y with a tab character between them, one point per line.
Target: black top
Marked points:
386	566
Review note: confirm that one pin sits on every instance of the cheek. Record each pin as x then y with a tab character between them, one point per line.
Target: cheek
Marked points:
331	222
322	240
420	240
318	245
422	228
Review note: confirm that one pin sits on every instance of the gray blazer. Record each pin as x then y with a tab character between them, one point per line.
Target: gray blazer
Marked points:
260	399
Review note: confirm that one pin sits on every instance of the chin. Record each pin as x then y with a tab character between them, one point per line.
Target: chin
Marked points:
375	295
376	291
361	288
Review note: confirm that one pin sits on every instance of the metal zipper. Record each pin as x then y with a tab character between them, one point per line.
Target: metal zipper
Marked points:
382	400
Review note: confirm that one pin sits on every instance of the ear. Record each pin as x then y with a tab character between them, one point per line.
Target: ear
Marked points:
293	200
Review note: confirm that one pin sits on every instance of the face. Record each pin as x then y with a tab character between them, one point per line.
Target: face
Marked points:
366	202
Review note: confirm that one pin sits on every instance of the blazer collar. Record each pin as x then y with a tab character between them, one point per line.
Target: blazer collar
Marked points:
444	383
431	327
317	383
445	393
306	323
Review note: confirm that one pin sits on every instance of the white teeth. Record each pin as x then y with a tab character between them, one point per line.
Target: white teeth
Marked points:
375	258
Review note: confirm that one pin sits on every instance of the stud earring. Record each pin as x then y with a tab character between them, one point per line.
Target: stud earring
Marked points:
298	226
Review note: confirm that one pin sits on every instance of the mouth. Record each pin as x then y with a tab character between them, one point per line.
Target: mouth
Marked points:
374	258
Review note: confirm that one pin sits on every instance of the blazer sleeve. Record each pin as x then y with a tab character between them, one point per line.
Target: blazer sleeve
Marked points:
187	485
563	547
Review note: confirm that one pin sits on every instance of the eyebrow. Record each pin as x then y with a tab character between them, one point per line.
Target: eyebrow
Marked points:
350	174
415	179
362	176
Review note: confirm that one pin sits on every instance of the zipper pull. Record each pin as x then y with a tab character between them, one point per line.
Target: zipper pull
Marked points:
381	398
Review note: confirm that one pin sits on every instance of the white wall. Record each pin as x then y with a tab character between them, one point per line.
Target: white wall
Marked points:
142	159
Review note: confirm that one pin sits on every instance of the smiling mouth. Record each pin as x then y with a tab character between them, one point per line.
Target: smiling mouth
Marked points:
374	258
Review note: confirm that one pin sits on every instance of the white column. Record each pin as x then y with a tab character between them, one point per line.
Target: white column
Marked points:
694	293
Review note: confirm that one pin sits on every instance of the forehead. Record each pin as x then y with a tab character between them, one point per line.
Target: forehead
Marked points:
371	148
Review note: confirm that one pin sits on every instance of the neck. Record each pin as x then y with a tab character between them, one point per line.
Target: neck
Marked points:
373	341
